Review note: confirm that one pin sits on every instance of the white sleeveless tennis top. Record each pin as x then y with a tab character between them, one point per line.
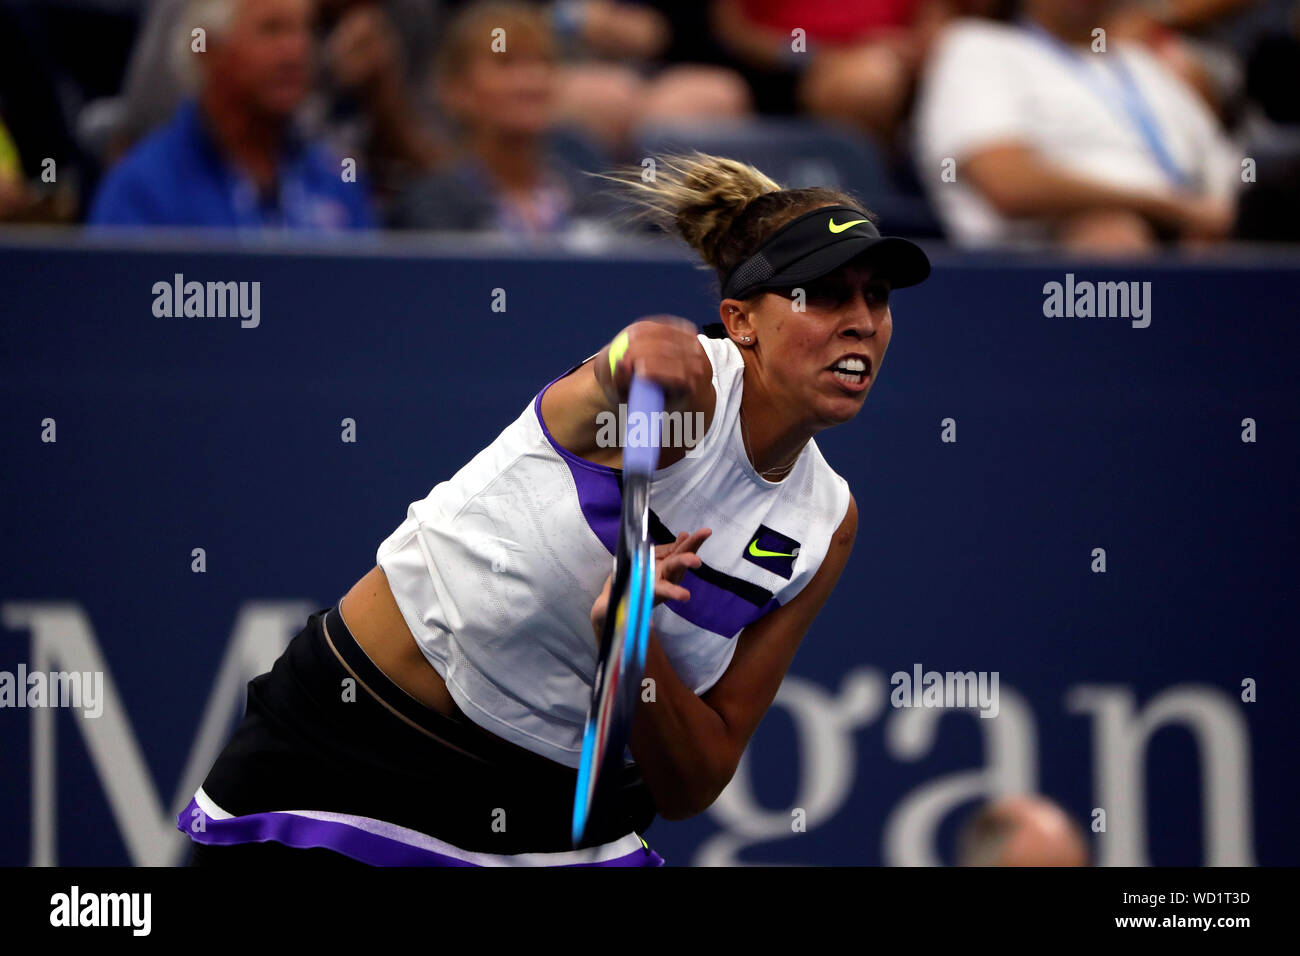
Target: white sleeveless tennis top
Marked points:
496	570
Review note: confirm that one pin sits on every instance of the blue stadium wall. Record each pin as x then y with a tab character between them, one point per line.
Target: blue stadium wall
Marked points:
1121	693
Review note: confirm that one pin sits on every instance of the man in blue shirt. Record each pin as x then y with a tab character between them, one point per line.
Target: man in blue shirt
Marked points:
232	158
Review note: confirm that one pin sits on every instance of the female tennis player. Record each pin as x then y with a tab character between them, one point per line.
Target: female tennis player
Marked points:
435	716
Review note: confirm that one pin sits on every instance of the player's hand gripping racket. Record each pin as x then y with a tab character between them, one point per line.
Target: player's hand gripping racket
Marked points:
621	662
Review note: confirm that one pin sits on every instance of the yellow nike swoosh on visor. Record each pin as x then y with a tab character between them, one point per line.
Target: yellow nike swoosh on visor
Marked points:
758	552
833	226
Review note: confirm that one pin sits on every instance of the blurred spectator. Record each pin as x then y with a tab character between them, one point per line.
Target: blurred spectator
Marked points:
1025	133
620	67
503	176
1209	68
1021	831
232	157
377	70
374	58
853	62
1208	43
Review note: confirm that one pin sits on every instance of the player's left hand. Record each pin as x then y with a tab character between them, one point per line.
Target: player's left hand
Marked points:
671	564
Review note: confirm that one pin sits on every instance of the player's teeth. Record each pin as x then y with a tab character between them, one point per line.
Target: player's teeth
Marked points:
852	365
848	378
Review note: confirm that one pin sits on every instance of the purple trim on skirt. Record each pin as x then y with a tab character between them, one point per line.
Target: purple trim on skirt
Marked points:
372	848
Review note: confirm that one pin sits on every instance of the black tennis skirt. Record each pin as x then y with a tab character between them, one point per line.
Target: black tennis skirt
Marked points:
334	763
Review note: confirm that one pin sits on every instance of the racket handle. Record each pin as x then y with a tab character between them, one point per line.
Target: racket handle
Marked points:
645	399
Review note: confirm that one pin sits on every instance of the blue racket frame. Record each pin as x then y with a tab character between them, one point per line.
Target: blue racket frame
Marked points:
625	641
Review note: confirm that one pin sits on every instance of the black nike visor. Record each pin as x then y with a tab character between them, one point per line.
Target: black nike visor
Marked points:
819	242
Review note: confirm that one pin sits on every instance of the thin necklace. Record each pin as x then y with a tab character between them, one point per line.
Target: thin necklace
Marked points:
784	469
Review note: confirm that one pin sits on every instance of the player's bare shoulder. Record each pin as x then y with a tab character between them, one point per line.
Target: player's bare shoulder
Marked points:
569	408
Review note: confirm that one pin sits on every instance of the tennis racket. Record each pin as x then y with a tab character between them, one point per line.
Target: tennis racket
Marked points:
626	636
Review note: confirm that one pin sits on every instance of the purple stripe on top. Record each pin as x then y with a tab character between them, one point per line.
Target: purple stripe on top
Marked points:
598	494
713	608
717	609
375	849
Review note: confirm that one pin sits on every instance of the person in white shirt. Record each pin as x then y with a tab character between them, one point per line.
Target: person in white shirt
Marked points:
1039	130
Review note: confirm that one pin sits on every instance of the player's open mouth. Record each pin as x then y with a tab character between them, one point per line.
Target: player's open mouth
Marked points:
852	372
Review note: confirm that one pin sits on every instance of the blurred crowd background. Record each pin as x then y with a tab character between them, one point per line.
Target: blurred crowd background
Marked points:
983	122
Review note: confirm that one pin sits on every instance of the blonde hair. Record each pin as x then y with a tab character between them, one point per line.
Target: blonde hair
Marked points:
722	208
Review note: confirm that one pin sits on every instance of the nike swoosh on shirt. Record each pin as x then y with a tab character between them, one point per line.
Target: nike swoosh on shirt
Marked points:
758	552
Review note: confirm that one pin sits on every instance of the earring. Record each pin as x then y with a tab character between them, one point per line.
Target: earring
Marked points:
746	338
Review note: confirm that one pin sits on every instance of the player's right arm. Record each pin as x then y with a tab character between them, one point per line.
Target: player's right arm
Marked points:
665	349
